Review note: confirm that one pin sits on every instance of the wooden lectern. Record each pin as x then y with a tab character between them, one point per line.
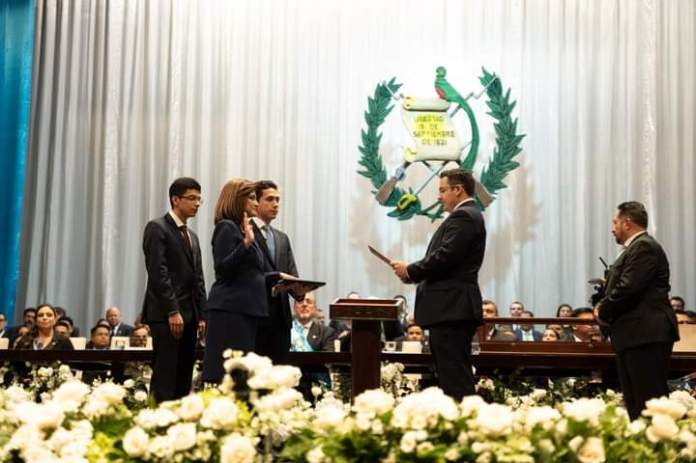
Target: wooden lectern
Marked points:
366	316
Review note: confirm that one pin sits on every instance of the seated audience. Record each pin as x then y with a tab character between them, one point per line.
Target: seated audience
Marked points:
28	318
677	303
393	329
565	311
42	335
584	333
24	330
116	325
139	336
495	333
682	316
526	332
3	325
62	328
99	338
307	333
561	332
414	333
550	335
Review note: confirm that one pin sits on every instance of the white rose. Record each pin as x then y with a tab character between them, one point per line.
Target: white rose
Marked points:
592	451
237	449
408	442
221	413
329	416
575	443
70	395
585	410
546	416
157	418
140	396
275	377
182	436
136	442
110	393
160	447
95	407
316	455
191	407
374	401
494	419
663	427
470	404
547	446
44	416
538	394
664	406
129	383
683	398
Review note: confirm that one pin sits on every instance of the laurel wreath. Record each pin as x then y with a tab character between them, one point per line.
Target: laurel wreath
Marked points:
380	105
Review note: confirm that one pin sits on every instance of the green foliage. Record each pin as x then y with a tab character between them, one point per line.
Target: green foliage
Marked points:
507	140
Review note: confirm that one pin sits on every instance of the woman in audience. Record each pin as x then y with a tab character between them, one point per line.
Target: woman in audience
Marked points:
238	298
550	335
42	336
566	311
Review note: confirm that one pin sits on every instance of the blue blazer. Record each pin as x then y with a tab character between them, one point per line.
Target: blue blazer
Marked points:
240	281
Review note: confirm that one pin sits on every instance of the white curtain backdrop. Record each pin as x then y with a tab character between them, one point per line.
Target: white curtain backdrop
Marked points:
130	94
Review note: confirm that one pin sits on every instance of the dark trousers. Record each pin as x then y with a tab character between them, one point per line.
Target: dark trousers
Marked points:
172	366
273	340
643	374
226	330
450	346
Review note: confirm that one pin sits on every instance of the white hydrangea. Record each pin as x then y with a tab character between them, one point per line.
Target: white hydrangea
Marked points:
329	416
471	404
373	402
221	413
160	447
281	399
546	416
72	443
237	449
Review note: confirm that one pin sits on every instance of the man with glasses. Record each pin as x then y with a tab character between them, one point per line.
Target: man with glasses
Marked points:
448	299
175	294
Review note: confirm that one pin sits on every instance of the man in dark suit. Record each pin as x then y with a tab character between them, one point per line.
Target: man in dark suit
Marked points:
448	299
273	333
526	331
308	333
175	294
636	310
118	328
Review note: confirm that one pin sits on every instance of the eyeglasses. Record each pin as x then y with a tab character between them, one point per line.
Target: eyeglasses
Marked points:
198	199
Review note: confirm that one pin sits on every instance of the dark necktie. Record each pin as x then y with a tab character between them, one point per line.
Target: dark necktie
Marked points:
185	235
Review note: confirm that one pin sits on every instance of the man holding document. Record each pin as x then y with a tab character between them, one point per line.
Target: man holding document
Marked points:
448	299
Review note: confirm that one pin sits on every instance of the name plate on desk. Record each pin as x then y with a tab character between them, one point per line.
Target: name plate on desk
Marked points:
365	309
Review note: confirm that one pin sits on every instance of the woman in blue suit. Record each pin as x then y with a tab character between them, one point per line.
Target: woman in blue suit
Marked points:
238	297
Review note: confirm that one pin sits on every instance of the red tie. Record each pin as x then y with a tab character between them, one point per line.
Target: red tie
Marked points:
185	234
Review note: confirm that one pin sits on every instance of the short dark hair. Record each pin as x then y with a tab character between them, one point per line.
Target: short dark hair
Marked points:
67	319
528	312
517	302
96	327
63	322
678	298
581	310
180	185
263	185
634	211
29	309
460	176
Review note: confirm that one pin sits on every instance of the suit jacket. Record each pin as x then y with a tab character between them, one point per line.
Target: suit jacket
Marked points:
535	334
447	276
123	330
321	337
240	281
282	261
57	343
174	273
636	301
